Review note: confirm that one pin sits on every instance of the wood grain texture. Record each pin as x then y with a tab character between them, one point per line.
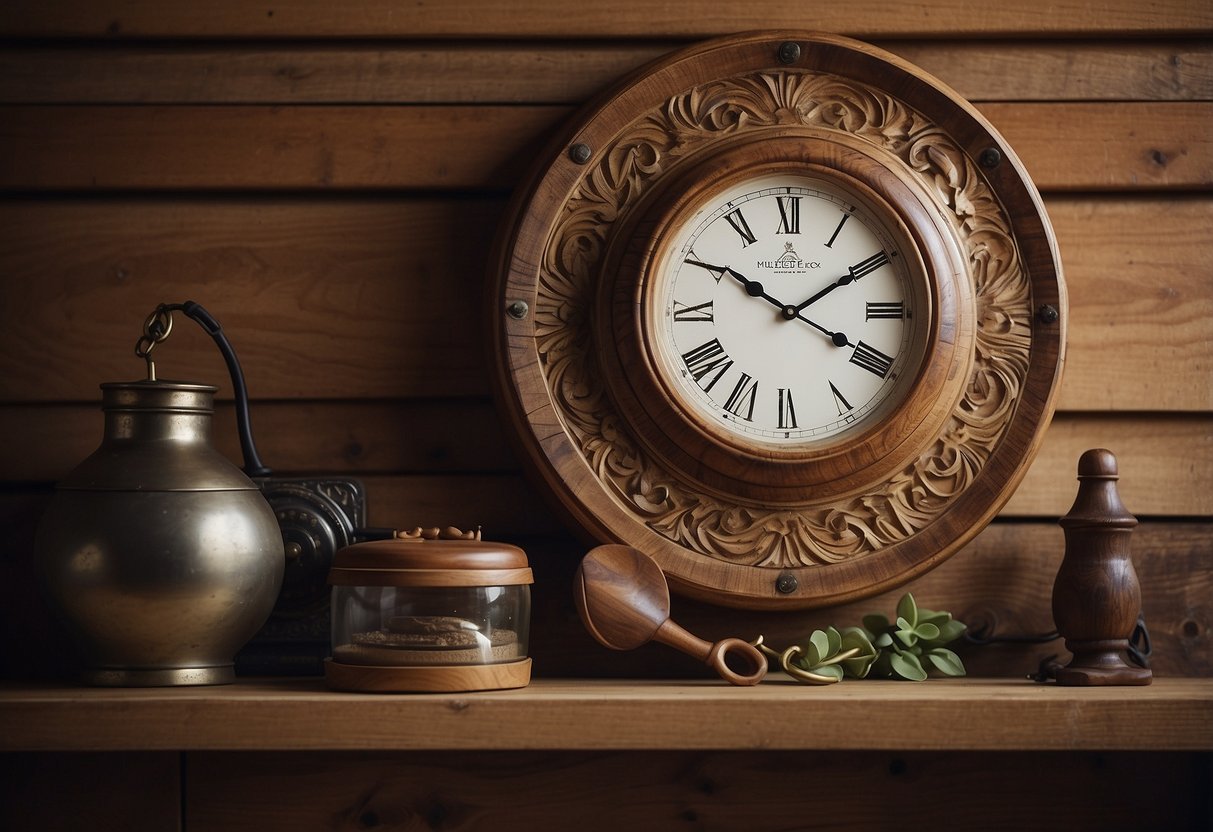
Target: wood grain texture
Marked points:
1125	259
412	449
1066	146
554	73
1086	147
327	299
301	714
674	790
549	18
336	297
1145	445
232	147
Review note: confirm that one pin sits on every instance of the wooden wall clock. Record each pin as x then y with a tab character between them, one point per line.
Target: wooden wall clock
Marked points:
784	313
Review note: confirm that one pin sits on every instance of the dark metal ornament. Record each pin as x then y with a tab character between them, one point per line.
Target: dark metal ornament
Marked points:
159	554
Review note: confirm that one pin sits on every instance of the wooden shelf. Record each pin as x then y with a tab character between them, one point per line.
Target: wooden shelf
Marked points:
292	714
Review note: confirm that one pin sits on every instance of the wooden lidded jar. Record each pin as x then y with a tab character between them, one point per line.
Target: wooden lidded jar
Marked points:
430	611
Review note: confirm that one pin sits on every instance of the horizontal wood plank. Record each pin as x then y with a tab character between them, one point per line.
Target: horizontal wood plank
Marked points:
1110	146
1137	260
233	147
626	18
960	714
1156	452
672	789
1155	455
399	443
1065	146
554	73
322	299
351	297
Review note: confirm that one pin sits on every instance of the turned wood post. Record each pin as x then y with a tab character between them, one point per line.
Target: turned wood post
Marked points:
1096	596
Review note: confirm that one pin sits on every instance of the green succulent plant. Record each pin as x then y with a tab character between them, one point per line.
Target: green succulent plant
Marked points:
908	648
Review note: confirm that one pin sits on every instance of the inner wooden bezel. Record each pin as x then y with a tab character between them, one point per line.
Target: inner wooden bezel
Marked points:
796	474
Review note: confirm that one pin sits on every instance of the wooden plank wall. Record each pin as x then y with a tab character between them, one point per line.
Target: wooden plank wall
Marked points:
327	179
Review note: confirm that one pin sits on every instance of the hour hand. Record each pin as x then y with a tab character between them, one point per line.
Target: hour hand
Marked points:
756	290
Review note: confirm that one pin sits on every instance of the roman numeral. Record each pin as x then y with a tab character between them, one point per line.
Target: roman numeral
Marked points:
877	311
787	412
840	402
834	236
866	267
716	271
699	313
743	395
871	359
741	227
789	214
707	358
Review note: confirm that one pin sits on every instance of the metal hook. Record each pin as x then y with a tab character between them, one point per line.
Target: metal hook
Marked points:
156	328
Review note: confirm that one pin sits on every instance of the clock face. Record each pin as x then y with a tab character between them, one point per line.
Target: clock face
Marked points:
783	311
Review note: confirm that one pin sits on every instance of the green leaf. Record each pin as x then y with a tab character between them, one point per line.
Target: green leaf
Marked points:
907	666
819	649
926	631
933	617
860	664
835	642
950	631
946	662
832	670
908	609
905	633
883	640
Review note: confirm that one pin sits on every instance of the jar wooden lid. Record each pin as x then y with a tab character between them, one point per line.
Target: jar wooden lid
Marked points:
430	561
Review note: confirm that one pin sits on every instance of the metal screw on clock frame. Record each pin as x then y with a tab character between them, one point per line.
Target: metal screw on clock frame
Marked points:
990	158
789	52
580	153
518	309
786	583
1047	314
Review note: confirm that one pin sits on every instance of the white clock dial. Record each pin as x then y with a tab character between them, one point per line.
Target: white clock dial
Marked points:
784	311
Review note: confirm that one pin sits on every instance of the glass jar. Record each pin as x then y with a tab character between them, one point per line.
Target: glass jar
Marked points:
425	614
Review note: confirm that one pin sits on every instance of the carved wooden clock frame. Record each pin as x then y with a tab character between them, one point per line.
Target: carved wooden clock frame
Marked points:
743	523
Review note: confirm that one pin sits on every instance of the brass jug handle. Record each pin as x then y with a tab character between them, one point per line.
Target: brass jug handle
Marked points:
157	327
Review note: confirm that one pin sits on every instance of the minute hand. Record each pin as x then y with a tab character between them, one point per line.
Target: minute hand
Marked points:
855	272
842	281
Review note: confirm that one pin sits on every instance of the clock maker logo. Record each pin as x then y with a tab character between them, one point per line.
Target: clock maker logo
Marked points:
788	263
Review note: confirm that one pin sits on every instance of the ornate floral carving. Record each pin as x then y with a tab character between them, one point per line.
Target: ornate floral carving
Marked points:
662	499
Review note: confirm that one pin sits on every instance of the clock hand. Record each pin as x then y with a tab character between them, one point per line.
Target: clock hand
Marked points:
855	272
839	339
842	281
755	289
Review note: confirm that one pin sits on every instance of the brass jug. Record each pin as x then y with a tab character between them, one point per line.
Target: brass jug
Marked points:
160	555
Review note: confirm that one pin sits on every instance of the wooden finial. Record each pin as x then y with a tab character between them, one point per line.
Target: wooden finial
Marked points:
1096	596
